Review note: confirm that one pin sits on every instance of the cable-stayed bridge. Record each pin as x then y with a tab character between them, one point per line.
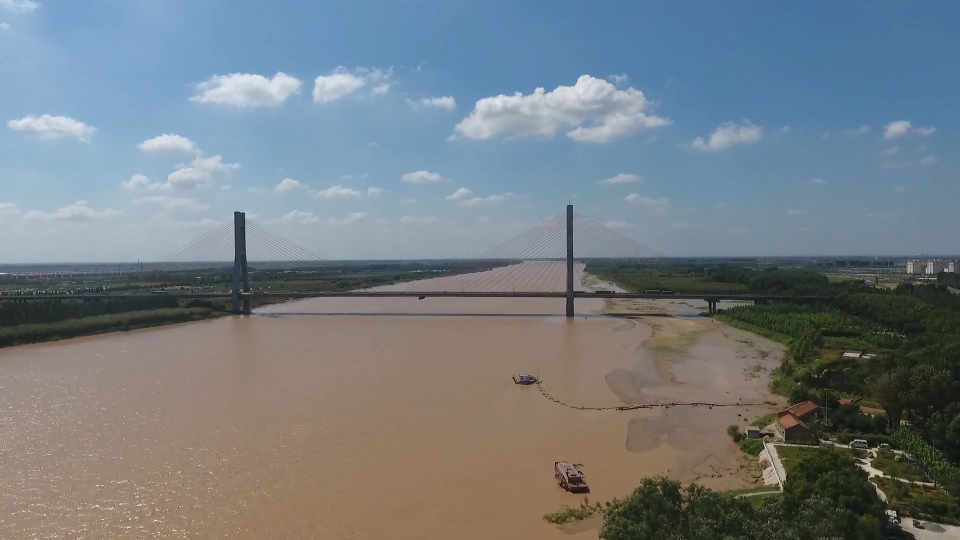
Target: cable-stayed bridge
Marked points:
546	261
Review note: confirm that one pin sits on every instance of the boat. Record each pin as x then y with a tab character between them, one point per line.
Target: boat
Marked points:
524	378
569	477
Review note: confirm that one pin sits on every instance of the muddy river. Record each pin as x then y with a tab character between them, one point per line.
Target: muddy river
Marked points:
367	418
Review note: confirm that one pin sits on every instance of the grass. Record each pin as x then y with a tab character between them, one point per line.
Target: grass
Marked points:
751	446
791	455
764	420
905	469
639	280
131	320
566	514
751	490
918	501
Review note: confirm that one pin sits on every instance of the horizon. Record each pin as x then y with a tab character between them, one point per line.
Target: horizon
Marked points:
723	131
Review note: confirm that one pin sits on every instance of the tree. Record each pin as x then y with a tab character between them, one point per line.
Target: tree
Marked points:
886	388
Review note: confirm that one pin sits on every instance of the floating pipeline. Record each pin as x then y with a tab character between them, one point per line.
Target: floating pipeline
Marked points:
648	405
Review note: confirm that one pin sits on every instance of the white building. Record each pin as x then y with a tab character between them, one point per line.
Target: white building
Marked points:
935	266
953	266
915	267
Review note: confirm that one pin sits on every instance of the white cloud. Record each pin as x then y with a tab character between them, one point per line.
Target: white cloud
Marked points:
244	90
288	184
825	136
168	143
596	110
298	217
422	177
139	182
465	197
175	203
418	220
904	127
862	130
341	83
374	192
617	224
619	79
199	173
928	160
53	127
819	181
657	205
796	212
729	134
225	187
355	217
256	189
8	210
205	223
4	26
78	211
444	102
19	6
408	201
620	179
890	151
338	192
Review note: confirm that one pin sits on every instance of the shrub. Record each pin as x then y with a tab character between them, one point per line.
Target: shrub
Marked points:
734	432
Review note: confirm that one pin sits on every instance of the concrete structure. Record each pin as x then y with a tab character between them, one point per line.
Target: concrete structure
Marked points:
792	429
915	266
934	267
570	260
953	267
753	432
241	279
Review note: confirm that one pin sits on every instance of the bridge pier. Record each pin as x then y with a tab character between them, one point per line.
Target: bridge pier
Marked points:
570	311
712	306
241	280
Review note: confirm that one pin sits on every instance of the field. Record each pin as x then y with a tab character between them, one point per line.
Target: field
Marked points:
791	455
681	280
919	501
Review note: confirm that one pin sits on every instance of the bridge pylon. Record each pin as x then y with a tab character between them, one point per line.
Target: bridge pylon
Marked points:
570	311
241	279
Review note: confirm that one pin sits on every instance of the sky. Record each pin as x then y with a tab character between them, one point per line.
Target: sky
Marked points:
376	129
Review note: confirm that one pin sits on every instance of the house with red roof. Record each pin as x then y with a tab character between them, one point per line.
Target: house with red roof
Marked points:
790	423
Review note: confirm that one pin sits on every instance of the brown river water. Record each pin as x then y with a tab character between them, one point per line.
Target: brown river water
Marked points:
365	418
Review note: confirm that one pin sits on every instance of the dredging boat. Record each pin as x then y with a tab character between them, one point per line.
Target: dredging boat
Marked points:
569	477
524	378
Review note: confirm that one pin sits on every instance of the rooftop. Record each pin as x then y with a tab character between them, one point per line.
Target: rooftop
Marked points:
802	409
787	421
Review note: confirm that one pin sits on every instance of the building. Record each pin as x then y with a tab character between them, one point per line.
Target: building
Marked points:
953	267
802	410
792	429
934	267
915	267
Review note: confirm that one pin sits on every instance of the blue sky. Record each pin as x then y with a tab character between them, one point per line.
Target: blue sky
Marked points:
728	127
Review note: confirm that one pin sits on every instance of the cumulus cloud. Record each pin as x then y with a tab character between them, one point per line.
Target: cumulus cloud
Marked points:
139	182
444	102
904	127
657	205
175	203
620	179
342	82
338	192
198	173
862	130
374	192
78	211
796	212
297	217
422	177
619	79
19	6
8	210
928	160
819	181
418	220
465	197
593	109
53	127
288	184
245	90
355	217
408	201
168	143
729	134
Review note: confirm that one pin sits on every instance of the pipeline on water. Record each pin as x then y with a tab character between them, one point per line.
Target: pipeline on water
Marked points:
636	406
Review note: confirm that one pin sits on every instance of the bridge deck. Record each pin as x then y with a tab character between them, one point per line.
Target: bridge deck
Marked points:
415	294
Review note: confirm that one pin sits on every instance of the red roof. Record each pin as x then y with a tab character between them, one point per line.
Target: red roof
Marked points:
787	421
803	408
845	401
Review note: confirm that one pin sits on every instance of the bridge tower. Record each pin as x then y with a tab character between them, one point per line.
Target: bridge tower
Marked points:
570	312
241	280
